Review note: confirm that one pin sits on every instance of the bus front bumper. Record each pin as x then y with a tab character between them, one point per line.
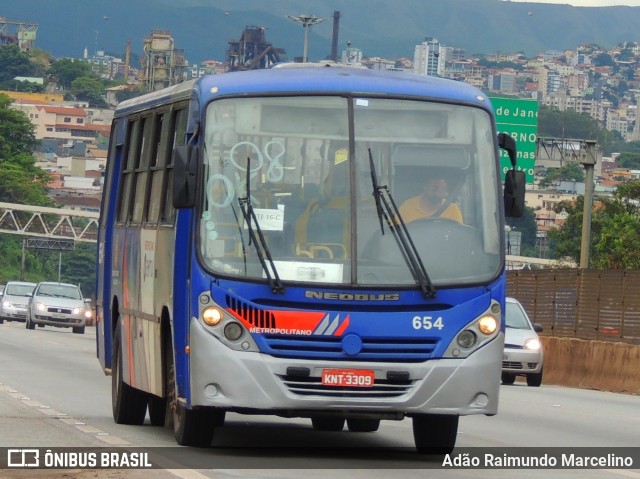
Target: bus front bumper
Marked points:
234	380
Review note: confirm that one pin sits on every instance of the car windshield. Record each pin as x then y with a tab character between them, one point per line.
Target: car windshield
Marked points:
515	317
310	163
59	291
19	290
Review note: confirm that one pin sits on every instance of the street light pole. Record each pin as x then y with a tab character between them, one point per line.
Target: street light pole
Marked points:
307	21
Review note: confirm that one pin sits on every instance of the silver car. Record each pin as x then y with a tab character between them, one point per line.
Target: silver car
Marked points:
523	353
14	299
58	304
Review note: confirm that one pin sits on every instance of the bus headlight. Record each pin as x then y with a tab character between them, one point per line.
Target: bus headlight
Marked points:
211	316
233	331
466	339
487	325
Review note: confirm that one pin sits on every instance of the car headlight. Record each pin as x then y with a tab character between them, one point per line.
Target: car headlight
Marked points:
532	344
41	307
6	304
76	310
87	313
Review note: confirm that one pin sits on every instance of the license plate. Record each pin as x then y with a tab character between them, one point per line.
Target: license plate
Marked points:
348	378
58	316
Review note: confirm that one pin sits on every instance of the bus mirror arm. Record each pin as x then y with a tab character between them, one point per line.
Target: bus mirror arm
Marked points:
185	166
514	180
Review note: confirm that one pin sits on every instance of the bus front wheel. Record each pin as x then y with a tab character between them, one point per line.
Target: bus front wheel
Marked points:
129	404
191	427
435	433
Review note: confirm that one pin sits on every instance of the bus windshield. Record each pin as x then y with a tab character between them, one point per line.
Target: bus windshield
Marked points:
309	183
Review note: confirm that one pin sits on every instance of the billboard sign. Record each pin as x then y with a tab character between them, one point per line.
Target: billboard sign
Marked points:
519	118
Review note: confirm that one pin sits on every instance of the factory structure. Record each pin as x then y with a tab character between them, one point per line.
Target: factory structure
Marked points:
163	64
22	34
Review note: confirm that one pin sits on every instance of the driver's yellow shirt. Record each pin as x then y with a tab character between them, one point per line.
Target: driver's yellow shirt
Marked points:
413	209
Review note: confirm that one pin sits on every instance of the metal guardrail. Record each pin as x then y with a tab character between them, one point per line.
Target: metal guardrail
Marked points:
43	222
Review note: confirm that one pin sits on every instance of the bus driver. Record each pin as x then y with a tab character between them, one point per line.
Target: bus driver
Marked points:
432	202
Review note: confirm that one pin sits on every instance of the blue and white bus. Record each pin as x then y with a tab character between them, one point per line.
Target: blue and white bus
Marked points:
253	257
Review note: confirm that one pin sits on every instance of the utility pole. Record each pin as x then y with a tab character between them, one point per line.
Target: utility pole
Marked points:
307	21
588	162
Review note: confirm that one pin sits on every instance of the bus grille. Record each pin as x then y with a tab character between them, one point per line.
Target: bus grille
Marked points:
330	348
312	386
255	316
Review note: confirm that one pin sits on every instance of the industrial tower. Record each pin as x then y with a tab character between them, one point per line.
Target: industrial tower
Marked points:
22	34
163	64
252	51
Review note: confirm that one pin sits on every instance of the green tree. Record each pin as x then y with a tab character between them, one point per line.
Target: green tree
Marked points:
527	226
20	180
571	171
90	90
66	71
615	230
628	159
572	125
604	60
79	268
14	63
17	133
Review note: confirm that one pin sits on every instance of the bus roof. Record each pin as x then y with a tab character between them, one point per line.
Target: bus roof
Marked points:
312	80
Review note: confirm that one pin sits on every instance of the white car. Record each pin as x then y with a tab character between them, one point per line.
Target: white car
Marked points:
14	299
58	304
523	354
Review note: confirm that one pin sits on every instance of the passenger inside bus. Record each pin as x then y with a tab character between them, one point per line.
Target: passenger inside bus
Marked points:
323	228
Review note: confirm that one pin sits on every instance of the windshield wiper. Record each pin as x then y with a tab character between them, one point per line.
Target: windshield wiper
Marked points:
388	210
262	250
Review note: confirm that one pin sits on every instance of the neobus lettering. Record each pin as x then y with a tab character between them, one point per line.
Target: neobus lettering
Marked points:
352	297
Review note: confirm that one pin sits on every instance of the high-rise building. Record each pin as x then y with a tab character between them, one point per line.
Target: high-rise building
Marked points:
429	58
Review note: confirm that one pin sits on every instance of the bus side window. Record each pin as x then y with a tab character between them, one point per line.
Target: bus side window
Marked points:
158	165
126	186
147	146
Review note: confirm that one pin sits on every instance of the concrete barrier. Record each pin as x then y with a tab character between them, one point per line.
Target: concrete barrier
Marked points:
597	365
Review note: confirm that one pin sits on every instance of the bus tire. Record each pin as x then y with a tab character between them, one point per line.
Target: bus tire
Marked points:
327	423
129	404
435	433
363	425
191	427
157	410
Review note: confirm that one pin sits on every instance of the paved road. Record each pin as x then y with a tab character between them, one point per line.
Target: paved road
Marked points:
53	394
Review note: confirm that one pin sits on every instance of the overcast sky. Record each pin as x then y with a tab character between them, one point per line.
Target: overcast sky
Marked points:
588	3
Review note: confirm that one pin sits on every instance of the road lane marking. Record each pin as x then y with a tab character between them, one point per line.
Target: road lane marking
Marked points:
166	464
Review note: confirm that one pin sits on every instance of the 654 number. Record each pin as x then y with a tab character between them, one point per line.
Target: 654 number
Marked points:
428	322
